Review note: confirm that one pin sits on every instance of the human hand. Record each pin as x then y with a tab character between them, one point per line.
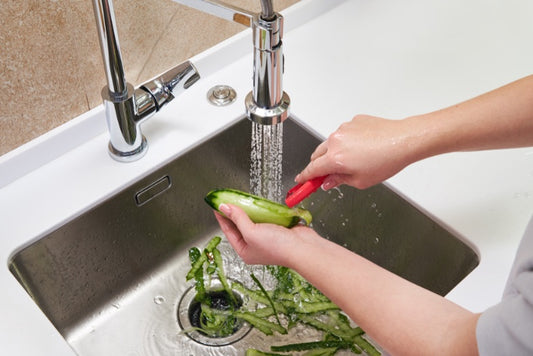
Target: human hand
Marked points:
362	152
265	244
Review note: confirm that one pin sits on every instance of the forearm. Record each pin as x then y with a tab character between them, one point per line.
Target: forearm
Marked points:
502	118
403	318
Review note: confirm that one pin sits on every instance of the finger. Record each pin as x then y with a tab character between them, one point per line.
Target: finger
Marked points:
320	150
334	180
225	224
238	216
321	166
231	232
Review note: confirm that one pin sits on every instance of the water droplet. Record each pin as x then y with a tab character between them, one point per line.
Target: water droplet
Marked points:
159	299
376	240
373	205
340	194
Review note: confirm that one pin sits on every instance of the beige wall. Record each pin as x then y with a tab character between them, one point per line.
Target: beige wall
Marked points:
50	62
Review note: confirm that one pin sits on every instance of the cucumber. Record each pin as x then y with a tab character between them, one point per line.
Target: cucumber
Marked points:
259	210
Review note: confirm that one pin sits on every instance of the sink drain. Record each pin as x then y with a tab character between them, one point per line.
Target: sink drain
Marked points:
189	316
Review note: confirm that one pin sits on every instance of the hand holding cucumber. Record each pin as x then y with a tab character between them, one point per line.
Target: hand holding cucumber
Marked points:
259	210
266	244
239	215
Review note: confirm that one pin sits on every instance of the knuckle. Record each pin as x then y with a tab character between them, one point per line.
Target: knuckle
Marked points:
338	160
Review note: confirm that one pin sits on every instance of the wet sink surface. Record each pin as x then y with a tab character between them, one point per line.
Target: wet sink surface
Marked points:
111	279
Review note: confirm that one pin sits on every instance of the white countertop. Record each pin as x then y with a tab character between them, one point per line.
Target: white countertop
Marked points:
381	57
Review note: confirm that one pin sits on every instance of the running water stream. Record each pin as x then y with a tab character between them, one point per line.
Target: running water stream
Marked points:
265	178
266	161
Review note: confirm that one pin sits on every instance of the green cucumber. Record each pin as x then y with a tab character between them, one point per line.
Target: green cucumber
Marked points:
259	210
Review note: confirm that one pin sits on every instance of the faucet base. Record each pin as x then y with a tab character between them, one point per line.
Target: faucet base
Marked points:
267	116
131	155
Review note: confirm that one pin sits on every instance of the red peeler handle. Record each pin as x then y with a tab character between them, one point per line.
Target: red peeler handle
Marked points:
301	191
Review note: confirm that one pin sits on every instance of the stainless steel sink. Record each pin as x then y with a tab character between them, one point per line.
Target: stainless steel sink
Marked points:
111	280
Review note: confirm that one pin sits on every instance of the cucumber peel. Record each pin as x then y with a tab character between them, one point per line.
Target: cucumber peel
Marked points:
299	303
259	210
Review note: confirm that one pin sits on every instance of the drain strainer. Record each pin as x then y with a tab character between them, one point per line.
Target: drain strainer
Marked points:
189	317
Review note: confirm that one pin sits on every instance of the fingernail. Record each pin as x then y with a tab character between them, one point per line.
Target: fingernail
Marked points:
297	178
327	185
225	209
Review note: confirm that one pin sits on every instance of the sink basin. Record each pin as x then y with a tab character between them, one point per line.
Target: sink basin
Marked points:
111	280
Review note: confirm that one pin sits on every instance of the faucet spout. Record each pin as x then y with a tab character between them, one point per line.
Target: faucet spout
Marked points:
108	36
267	104
125	107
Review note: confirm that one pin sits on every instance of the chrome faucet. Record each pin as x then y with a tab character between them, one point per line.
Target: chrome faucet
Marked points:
125	107
267	103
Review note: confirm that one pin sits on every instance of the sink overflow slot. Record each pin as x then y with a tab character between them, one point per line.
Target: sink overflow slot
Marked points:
151	191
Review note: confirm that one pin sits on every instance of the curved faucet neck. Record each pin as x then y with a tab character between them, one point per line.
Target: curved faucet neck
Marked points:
267	10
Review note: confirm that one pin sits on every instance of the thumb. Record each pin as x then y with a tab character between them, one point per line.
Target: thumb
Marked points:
237	215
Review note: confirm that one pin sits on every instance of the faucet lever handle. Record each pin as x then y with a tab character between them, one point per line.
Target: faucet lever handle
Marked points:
170	84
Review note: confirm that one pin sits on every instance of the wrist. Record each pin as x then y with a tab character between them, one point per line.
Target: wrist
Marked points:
426	137
302	248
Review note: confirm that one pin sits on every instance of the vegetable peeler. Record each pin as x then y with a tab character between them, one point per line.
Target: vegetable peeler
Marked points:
301	191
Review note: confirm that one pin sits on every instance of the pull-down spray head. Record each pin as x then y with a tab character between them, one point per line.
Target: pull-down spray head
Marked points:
268	104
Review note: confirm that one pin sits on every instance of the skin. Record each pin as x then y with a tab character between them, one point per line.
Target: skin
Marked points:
403	318
368	150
